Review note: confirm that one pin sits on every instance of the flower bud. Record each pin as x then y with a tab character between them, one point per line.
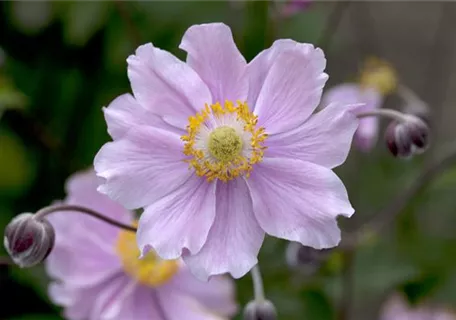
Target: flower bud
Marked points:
27	240
305	259
405	139
260	311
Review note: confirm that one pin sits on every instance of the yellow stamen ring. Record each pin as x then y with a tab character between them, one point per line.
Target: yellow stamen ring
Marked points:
151	270
226	160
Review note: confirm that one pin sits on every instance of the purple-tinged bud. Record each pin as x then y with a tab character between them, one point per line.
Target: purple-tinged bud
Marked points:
260	311
27	240
408	138
305	259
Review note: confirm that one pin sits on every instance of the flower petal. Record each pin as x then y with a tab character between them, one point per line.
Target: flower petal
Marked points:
213	54
179	306
180	220
298	201
325	138
165	85
260	66
367	133
81	189
79	267
139	304
309	83
83	258
286	82
142	167
124	113
235	238
77	302
217	294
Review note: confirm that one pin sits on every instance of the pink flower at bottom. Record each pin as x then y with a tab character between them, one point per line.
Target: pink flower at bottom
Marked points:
97	274
351	93
397	308
219	152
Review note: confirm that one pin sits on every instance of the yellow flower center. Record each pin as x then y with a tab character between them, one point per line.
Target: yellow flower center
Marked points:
151	270
225	144
223	141
380	75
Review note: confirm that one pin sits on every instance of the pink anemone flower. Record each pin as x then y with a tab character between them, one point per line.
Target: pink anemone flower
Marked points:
97	274
350	93
219	152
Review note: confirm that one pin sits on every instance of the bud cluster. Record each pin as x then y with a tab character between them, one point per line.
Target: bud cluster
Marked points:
407	138
304	259
256	310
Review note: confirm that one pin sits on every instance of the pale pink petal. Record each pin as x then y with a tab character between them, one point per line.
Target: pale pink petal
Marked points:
122	114
110	299
142	167
125	113
165	85
325	138
179	306
213	54
235	237
398	308
83	258
217	294
81	269
81	303
291	89
298	201
314	78
126	300
81	189
77	303
180	220
367	133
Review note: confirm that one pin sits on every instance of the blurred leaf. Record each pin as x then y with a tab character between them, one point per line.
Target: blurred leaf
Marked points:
16	168
82	19
35	278
317	305
258	32
31	16
445	180
419	289
10	97
305	26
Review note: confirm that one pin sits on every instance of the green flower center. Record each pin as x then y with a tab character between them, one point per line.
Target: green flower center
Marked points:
225	144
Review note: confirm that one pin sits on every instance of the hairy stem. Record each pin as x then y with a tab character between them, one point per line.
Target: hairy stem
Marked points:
63	207
257	284
386	113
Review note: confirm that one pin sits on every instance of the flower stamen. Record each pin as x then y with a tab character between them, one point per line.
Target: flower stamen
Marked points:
151	270
223	141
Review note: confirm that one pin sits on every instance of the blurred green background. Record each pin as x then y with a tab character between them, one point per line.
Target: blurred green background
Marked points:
62	61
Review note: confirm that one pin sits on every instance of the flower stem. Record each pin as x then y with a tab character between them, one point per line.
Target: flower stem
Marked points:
63	207
258	289
386	113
